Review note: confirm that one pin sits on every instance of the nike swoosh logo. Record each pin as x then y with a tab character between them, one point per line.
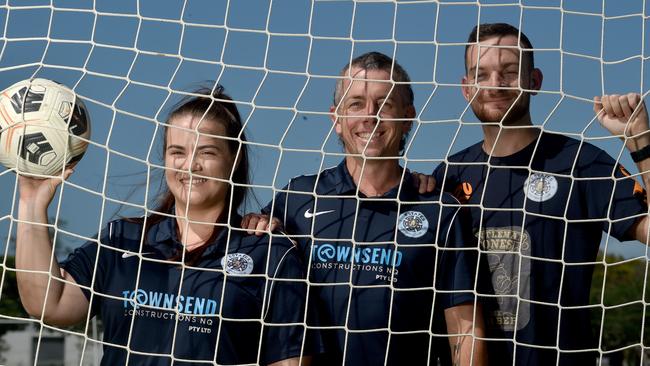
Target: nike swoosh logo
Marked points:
309	214
129	255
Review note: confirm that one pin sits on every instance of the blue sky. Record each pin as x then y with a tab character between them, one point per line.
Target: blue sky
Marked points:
278	60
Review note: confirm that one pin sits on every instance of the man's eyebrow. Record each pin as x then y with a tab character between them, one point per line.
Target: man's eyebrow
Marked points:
174	147
207	146
505	65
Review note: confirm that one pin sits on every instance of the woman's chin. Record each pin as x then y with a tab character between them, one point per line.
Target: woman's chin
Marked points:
198	203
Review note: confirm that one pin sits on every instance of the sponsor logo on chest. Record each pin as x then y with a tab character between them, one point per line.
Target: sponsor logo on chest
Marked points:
196	313
383	263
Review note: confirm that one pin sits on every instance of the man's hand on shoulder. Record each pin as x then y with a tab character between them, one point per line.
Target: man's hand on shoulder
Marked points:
259	224
624	115
424	183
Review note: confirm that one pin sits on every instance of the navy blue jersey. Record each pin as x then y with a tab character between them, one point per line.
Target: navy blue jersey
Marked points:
216	313
379	266
529	212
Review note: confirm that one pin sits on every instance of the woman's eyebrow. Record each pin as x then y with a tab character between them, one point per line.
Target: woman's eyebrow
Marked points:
208	146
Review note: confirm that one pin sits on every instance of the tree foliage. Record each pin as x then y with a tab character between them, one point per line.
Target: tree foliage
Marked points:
9	300
10	305
618	291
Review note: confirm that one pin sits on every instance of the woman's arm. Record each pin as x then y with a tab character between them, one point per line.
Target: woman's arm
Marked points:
65	303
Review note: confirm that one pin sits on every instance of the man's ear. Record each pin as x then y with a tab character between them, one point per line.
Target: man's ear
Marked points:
466	89
536	78
409	115
334	118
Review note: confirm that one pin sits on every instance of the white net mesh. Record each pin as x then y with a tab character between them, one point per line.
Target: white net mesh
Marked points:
131	61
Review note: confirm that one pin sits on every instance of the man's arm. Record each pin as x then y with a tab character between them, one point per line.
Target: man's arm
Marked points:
465	326
626	116
306	361
424	183
259	223
288	362
267	221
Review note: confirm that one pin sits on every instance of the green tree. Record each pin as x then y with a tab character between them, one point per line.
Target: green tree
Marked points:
618	287
10	304
9	300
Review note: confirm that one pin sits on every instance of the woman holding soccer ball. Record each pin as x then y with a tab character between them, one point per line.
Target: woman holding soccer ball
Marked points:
180	285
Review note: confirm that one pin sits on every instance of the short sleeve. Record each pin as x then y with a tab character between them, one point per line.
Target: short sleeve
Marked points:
439	173
80	264
458	259
278	204
449	183
285	308
621	207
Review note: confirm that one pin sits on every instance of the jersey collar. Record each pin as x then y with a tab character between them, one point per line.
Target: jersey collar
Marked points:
163	237
344	183
522	157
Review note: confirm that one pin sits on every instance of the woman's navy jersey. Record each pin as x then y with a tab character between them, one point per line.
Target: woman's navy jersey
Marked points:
217	313
539	215
379	266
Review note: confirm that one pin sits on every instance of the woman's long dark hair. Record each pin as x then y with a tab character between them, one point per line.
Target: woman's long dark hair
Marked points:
214	106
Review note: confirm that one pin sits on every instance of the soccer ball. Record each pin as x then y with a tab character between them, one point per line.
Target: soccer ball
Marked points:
43	127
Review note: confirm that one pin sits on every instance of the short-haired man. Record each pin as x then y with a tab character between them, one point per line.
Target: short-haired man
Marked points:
389	268
540	202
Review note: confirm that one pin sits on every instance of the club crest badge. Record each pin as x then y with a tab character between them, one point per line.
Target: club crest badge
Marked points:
237	264
413	224
540	187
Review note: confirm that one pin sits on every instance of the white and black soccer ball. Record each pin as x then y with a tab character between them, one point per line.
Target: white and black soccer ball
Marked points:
43	127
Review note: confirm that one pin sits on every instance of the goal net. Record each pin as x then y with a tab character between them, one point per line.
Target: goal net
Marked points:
132	61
